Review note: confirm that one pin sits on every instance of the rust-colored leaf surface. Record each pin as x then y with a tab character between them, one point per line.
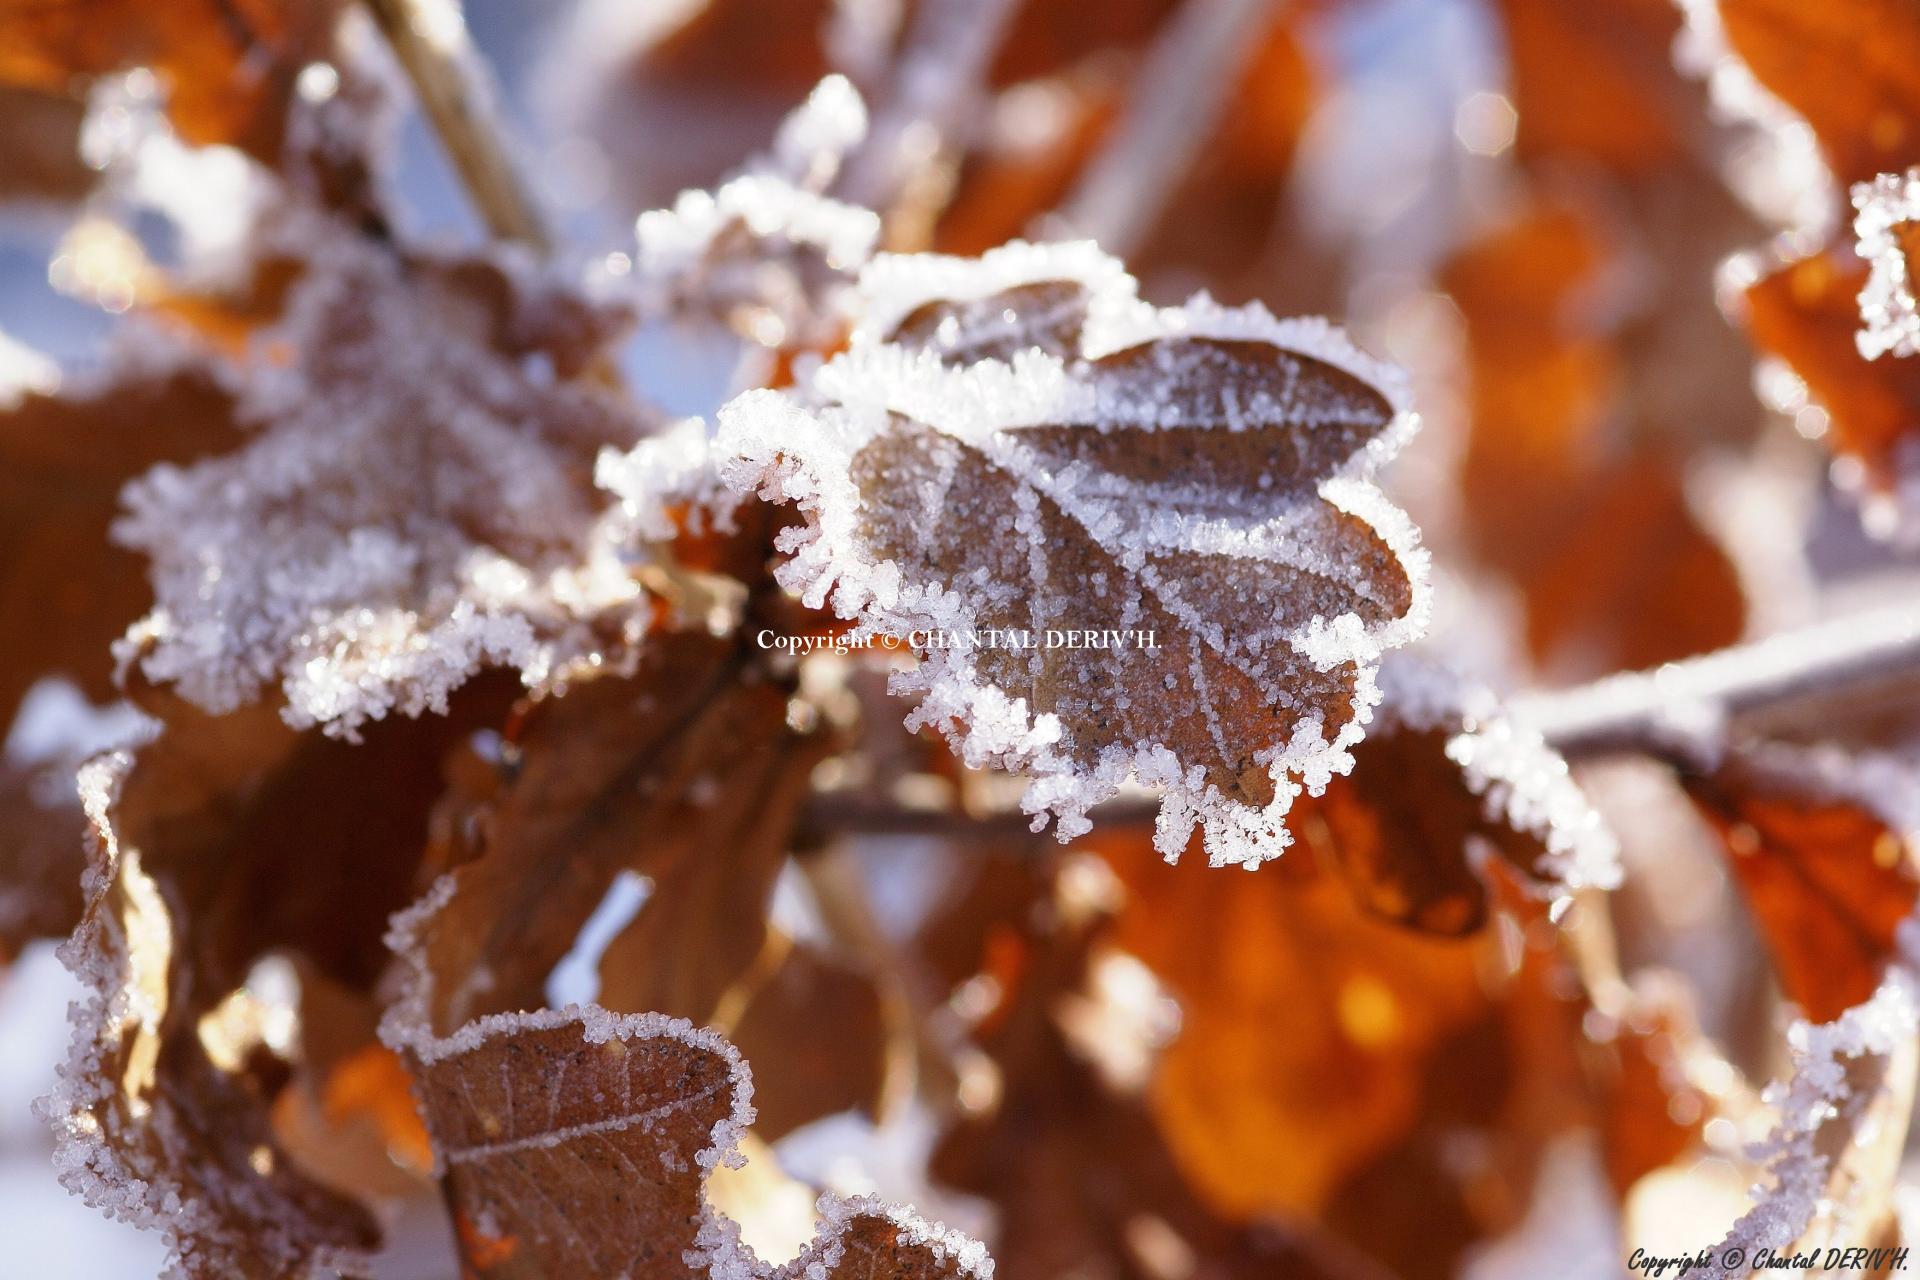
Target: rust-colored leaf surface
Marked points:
578	1141
1849	67
1828	877
1807	313
66	591
1569	495
1194	501
226	67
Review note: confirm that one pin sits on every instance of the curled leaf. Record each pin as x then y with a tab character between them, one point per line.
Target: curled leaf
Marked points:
1443	781
1125	541
416	505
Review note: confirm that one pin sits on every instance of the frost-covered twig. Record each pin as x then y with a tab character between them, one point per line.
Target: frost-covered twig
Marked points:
1675	711
456	91
938	78
1188	76
1680	708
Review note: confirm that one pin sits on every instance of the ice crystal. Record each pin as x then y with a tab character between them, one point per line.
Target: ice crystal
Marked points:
1825	1107
415	505
1523	783
1126	540
1887	208
764	251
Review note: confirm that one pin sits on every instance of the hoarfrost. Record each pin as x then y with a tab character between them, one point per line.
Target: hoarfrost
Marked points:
1886	210
1016	449
1832	1112
145	1128
415	506
1523	783
620	1118
765	252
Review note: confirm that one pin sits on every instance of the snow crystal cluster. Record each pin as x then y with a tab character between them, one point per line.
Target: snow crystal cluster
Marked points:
1887	305
763	251
1523	783
1819	1095
414	505
1018	444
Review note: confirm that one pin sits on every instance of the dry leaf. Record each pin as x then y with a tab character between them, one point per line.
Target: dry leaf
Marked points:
578	1141
1296	1007
1078	1168
426	479
1828	875
1444	781
224	840
816	1027
1848	67
226	67
66	593
43	851
620	773
1624	107
1807	313
1133	476
1590	523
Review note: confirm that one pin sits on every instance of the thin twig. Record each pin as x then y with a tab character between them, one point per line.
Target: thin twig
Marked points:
1667	712
1189	73
937	80
1663	710
457	94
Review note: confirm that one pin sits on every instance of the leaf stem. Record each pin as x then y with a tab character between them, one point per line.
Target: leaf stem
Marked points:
455	89
1188	76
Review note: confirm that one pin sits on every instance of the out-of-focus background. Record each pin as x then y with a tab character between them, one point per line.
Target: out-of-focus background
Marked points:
1548	213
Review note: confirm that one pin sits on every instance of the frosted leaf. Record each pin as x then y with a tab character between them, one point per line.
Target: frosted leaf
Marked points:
1888	209
1442	782
147	1128
673	469
766	251
42	853
220	841
416	503
1015	450
578	1142
1843	1112
1523	783
65	452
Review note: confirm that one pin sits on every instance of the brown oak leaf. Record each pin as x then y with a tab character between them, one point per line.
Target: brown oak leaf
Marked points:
223	841
1125	541
1442	780
579	1141
1828	875
1848	67
1807	313
66	592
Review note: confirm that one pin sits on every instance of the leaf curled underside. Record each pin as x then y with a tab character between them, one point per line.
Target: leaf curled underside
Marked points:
1137	541
1444	780
577	1142
223	841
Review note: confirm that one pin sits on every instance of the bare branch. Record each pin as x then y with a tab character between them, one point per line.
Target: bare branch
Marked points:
1189	74
456	91
1667	710
938	78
